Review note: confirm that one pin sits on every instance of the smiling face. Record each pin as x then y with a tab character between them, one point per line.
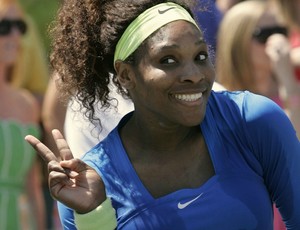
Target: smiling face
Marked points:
173	78
10	43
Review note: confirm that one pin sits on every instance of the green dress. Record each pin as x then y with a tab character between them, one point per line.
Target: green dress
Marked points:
16	159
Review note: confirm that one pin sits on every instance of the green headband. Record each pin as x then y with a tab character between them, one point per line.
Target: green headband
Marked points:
147	23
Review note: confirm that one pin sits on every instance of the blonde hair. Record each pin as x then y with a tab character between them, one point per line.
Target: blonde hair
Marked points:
233	65
289	11
31	70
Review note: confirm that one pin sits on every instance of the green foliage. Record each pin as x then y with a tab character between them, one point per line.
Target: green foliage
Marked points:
43	13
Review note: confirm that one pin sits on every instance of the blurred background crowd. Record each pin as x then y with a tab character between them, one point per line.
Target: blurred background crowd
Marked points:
254	45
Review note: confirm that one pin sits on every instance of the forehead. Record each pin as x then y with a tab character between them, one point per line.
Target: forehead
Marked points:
10	11
270	17
176	30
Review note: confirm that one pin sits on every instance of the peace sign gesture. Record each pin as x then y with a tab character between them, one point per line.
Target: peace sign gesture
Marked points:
71	181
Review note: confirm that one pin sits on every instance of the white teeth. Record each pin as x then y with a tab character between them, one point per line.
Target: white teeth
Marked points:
188	97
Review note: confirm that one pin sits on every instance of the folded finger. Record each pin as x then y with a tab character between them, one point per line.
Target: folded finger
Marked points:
57	167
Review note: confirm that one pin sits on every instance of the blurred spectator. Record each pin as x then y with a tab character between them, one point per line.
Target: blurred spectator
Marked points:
32	70
19	114
225	5
254	54
53	113
290	10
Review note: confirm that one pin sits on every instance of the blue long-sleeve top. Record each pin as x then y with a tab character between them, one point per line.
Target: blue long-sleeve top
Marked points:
256	156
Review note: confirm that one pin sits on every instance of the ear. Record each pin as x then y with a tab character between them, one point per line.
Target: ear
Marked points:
125	74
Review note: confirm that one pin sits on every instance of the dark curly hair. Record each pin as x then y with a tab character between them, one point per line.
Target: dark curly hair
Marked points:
84	39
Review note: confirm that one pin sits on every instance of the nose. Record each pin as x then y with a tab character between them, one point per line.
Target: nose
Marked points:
15	31
192	73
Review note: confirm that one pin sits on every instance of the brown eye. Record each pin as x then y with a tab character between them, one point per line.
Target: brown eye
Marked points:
202	57
168	61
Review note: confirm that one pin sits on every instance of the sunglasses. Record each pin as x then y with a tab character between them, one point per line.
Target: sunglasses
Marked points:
262	34
6	26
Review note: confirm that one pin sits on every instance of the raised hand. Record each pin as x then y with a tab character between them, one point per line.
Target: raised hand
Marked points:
278	49
71	181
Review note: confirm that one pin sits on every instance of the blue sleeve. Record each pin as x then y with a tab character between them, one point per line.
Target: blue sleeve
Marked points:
66	217
273	139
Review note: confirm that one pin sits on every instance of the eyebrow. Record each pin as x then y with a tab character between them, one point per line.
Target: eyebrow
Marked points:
166	47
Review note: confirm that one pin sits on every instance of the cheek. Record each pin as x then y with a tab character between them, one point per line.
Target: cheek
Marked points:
262	69
211	74
152	78
147	84
260	60
9	50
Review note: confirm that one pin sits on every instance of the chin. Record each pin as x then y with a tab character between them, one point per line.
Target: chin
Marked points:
193	121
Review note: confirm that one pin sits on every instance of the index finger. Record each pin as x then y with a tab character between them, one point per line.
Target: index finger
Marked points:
42	149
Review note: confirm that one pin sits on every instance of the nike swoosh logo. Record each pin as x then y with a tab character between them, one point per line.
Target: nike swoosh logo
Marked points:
184	205
164	11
